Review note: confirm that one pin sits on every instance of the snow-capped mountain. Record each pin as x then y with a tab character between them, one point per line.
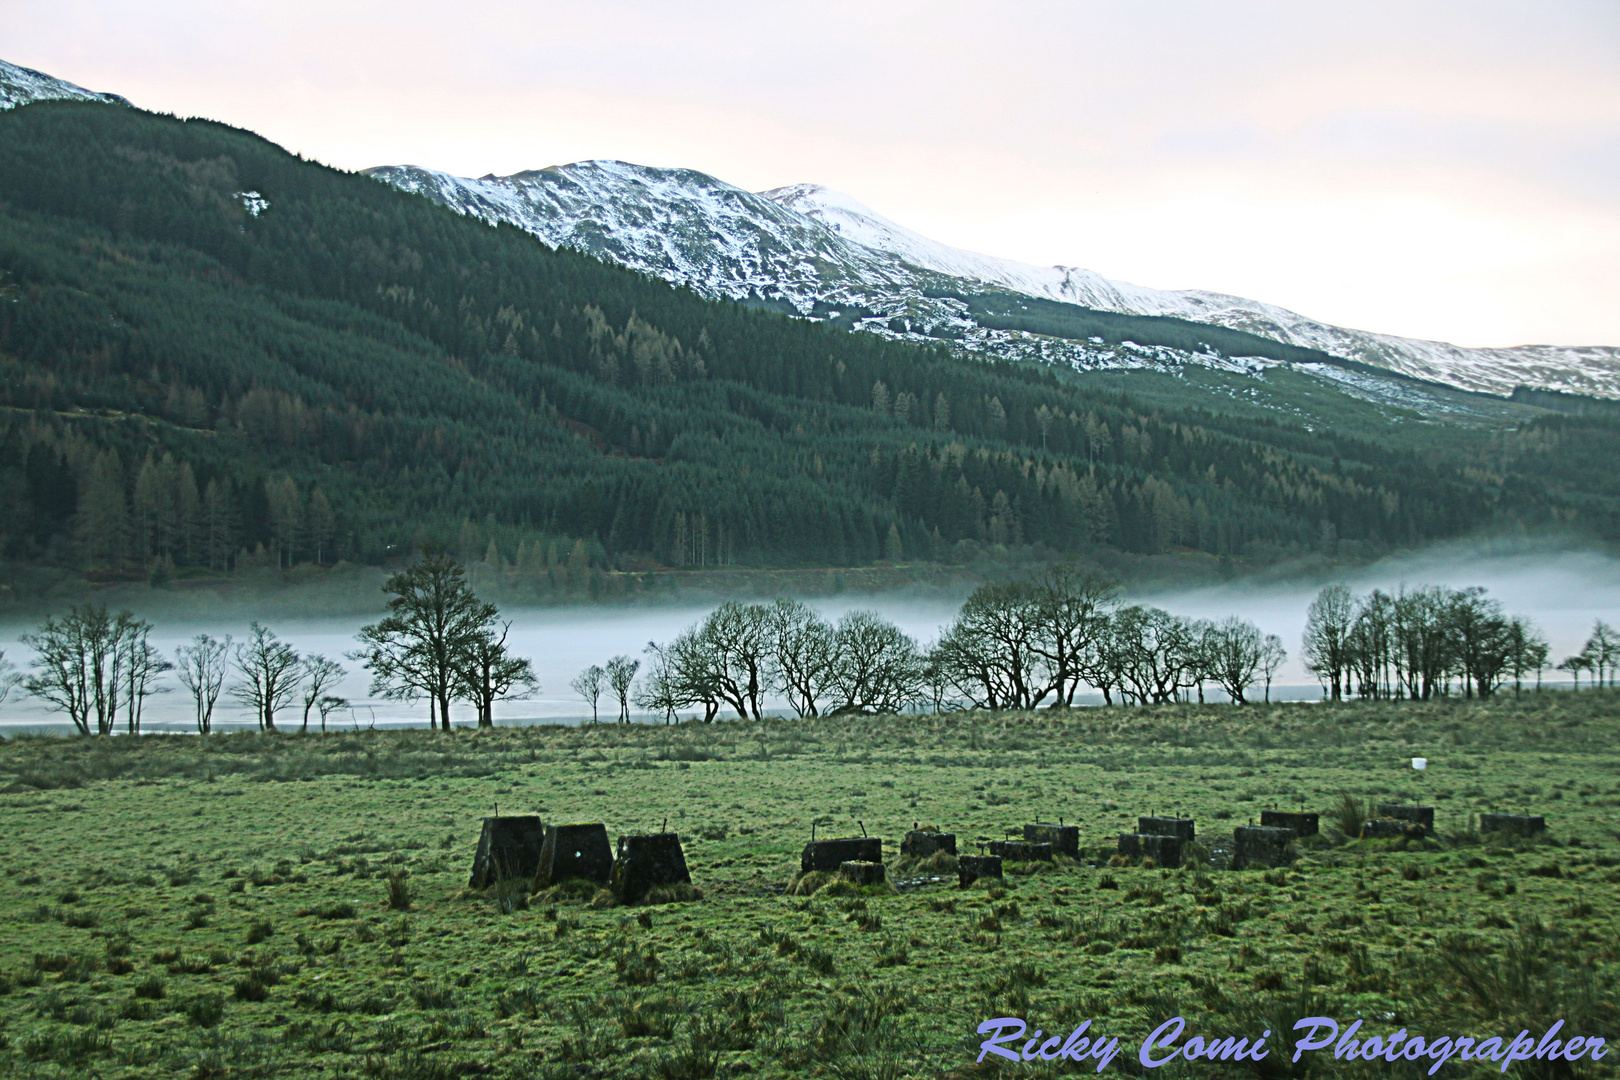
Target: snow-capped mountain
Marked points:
821	254
20	85
824	254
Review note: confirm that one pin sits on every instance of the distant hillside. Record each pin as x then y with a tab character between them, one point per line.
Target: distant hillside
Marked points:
821	254
212	352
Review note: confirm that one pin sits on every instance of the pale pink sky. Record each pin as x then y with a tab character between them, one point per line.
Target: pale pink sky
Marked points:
1435	169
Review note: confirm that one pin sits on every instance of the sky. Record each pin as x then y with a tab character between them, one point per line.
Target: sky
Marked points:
1427	168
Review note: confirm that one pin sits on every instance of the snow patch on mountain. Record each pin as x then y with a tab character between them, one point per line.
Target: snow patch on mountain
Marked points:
20	85
823	254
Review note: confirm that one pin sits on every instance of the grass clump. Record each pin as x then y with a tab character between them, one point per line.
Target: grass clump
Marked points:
399	890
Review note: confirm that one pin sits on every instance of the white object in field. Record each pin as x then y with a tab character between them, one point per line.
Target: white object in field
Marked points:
1420	763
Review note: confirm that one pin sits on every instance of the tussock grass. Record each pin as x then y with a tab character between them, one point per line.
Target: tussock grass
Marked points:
287	849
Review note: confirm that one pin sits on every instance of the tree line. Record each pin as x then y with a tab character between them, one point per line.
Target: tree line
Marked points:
1417	643
1034	643
1017	645
438	642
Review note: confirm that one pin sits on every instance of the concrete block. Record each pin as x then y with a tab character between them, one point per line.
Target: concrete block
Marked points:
1263	844
921	843
970	868
1166	826
508	847
1418	815
647	861
1303	824
829	855
862	872
576	851
1018	851
1065	839
1163	849
1388	828
1517	824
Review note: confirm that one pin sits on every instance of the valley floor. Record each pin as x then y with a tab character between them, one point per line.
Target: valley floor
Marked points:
220	907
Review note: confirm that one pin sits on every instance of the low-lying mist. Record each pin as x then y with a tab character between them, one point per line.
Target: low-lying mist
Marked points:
1562	588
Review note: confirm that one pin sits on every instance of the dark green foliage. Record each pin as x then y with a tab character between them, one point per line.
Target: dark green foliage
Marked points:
355	370
1053	318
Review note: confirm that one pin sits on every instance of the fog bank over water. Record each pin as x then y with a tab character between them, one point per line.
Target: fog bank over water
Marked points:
1562	588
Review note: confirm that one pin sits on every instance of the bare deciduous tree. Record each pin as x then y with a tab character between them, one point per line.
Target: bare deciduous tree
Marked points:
1327	633
1272	655
319	675
141	663
876	666
588	685
489	673
202	672
10	677
271	674
621	673
75	669
434	621
801	655
1235	650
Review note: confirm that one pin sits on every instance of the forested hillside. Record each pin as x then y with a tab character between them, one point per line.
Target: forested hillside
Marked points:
214	353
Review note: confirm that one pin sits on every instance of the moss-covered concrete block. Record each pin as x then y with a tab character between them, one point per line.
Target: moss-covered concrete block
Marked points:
647	861
1417	815
576	851
1019	851
1265	845
1389	828
1303	824
1181	828
829	855
508	847
1163	849
1517	824
862	872
1065	839
970	868
921	843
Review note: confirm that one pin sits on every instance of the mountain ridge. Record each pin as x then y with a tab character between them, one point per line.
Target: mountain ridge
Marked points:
822	254
20	85
834	253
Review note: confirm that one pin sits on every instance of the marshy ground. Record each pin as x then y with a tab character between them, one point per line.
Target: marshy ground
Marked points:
247	905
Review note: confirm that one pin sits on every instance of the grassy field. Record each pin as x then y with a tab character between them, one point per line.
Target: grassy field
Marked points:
221	907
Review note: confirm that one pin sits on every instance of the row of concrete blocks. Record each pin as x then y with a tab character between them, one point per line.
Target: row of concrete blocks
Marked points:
860	858
1159	839
1162	839
1395	821
524	847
